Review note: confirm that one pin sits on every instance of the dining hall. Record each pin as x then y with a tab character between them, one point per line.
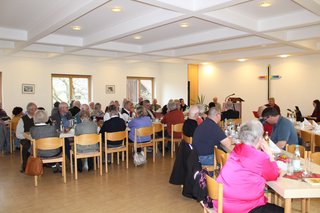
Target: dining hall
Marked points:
159	106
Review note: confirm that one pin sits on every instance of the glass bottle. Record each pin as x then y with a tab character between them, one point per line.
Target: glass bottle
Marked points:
61	126
266	137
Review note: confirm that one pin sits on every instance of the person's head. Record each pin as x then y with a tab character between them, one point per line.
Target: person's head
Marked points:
172	106
251	133
124	101
211	104
113	110
146	104
17	111
316	104
271	101
117	103
127	105
141	111
31	109
270	115
84	115
56	104
215	100
194	112
92	105
155	101
97	107
181	101
40	116
63	108
140	99
85	107
41	108
214	115
76	104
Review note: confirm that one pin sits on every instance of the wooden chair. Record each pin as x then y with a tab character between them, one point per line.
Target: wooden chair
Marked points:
178	129
159	127
315	157
141	132
316	142
187	139
86	139
215	192
291	148
220	158
306	137
123	148
49	144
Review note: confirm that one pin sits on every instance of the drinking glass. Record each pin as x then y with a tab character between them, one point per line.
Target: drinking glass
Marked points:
289	167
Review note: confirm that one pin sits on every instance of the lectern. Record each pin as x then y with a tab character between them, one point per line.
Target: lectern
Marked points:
237	104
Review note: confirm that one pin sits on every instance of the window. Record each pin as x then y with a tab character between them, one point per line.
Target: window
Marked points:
139	87
71	87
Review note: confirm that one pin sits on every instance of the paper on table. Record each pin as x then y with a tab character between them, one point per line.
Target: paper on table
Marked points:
314	123
306	122
274	148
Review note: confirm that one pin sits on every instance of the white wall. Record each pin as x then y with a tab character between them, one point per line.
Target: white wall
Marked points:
299	83
170	79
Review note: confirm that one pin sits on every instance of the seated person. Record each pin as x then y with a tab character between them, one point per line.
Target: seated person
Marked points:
283	131
43	130
114	124
155	106
250	165
183	105
142	120
17	113
86	127
127	111
174	116
190	125
3	114
266	126
230	112
207	135
147	106
97	113
316	111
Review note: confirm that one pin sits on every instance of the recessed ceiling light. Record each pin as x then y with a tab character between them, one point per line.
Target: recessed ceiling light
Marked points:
184	25
205	63
137	37
265	4
283	56
242	59
76	27
116	9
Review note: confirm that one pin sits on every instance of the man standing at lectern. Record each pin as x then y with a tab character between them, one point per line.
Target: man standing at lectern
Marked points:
230	112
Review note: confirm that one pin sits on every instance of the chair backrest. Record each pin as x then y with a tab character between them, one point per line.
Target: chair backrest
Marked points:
292	147
187	139
116	136
158	127
306	136
176	128
220	156
315	157
48	143
317	140
87	139
215	191
144	131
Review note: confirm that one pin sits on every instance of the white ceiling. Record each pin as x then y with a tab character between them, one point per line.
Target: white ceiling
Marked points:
219	30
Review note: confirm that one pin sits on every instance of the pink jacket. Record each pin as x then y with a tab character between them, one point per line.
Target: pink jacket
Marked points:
244	177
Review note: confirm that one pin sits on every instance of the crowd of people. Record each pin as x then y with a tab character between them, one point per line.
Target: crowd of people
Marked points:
251	159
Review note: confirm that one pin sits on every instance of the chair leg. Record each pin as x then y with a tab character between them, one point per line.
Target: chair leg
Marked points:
163	148
35	180
123	156
100	163
154	152
127	159
94	163
172	149
118	160
64	174
71	163
106	160
75	168
111	157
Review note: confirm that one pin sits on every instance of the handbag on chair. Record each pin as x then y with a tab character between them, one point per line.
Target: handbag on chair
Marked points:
34	166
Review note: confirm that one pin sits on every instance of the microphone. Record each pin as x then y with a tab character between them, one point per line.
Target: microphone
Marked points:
225	100
289	110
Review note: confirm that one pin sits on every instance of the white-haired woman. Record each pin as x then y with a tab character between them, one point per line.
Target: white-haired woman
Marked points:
244	176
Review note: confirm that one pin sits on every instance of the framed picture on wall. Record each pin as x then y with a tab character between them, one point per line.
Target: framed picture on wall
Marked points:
28	88
110	89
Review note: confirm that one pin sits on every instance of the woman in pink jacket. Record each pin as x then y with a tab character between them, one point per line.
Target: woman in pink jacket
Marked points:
244	176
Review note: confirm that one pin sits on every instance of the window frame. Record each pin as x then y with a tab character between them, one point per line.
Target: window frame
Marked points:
71	76
142	78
